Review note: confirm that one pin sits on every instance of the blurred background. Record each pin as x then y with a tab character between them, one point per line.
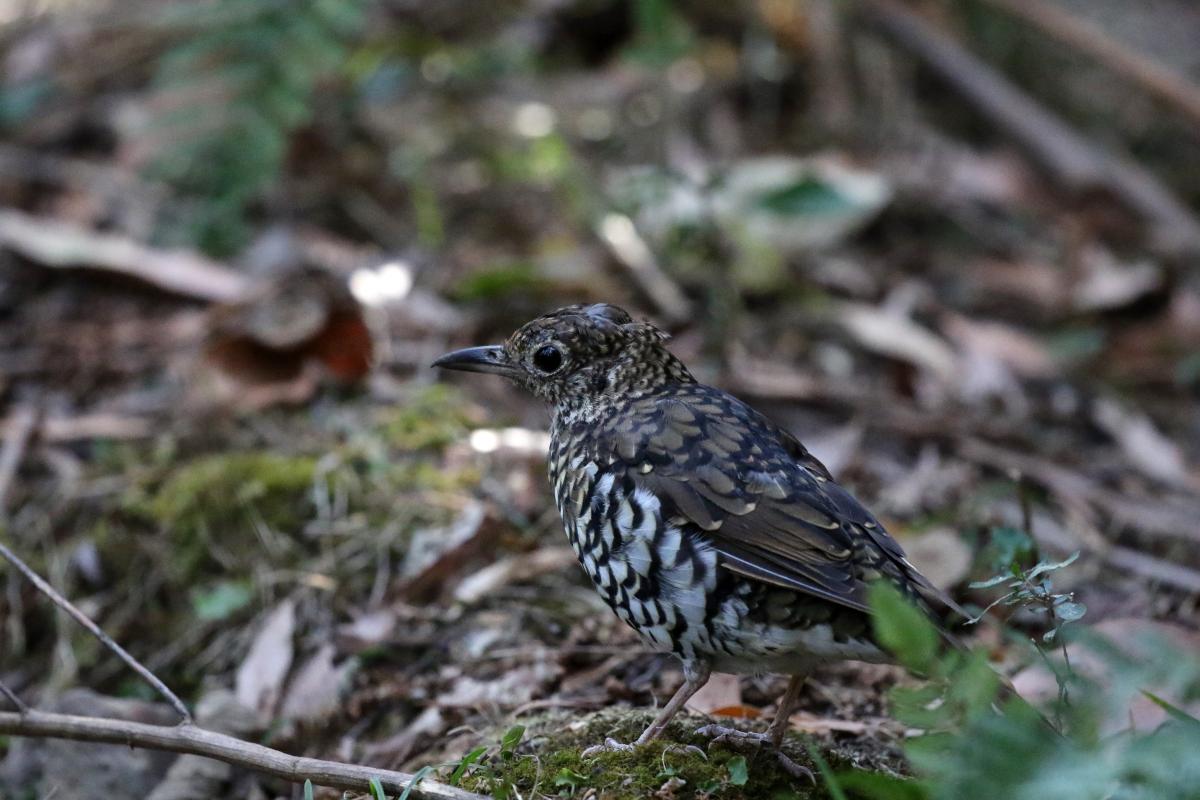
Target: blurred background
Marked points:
953	246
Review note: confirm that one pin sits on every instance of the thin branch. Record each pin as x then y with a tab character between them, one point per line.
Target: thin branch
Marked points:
17	702
18	430
1072	160
92	628
1089	38
194	740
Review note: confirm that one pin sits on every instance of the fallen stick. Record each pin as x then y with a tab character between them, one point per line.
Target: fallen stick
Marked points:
56	244
194	740
1081	34
1073	161
85	622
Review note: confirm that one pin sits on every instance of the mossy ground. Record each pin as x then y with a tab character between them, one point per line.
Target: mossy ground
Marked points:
550	762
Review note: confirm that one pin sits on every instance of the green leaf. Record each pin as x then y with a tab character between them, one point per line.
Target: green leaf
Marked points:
308	790
377	789
902	628
221	600
512	737
417	777
831	782
466	762
877	786
1069	610
995	580
1175	711
806	197
738	772
1043	566
569	777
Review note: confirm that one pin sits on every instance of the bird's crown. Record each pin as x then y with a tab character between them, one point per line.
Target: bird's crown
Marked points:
573	357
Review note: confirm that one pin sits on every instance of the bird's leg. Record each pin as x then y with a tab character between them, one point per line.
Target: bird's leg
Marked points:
773	738
695	675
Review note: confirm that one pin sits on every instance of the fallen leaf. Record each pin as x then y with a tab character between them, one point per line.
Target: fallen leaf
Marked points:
1143	443
940	555
721	691
513	569
897	336
259	680
314	693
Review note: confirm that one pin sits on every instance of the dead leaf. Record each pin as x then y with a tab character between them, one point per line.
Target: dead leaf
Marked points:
721	691
940	555
897	336
260	677
1108	284
292	331
314	693
513	688
436	553
514	569
1143	443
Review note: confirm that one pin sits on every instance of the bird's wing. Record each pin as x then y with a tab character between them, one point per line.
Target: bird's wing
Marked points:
767	505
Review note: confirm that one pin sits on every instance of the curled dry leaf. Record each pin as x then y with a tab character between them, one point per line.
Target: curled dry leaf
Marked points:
293	331
259	681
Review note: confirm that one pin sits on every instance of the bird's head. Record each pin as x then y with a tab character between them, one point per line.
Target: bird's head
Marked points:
573	356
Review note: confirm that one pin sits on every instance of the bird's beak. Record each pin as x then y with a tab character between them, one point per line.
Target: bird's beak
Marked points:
490	358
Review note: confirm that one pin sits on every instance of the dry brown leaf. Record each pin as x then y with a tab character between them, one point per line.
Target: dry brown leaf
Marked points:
940	555
315	691
260	677
513	569
721	691
897	336
1144	444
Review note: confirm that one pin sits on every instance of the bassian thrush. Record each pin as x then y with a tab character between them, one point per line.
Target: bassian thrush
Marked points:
706	527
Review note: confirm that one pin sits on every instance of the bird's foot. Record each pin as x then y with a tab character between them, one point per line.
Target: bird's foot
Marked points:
746	740
610	745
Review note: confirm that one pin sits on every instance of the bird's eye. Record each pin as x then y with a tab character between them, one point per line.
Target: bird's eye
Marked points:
548	359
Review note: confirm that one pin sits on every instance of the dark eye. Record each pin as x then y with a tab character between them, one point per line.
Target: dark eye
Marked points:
548	359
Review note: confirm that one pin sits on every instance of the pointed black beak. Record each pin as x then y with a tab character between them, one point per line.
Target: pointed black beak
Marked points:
490	358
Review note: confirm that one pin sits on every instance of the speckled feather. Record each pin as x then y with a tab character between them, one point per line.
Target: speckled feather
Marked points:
705	526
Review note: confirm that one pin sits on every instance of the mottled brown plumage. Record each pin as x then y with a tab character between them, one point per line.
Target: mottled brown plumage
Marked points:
708	528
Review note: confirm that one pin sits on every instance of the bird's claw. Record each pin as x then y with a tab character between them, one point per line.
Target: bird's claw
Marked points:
610	745
745	740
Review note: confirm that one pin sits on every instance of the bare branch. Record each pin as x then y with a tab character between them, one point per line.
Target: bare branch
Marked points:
194	740
1072	160
18	430
92	628
17	702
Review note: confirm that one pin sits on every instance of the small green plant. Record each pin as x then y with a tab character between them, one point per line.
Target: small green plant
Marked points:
1033	589
240	79
970	749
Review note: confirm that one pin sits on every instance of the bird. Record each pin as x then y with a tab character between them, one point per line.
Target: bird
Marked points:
707	527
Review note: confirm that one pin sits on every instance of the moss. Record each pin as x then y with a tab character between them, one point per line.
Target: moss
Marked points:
552	760
215	501
432	417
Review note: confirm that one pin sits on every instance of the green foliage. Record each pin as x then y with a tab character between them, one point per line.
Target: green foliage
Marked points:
903	629
241	78
221	600
969	747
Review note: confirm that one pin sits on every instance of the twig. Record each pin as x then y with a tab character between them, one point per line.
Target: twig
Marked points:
1073	161
92	628
195	740
1085	36
630	250
60	245
17	433
17	702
